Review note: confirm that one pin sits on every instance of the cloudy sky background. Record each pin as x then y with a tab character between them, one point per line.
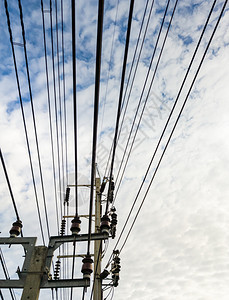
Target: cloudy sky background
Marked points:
178	248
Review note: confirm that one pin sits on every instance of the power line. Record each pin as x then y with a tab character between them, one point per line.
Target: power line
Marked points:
120	95
143	90
9	185
96	110
178	117
130	72
23	117
33	115
55	102
50	115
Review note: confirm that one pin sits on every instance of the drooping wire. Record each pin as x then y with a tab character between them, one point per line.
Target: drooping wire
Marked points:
55	102
9	185
33	116
130	73
6	273
23	117
96	111
147	96
120	96
50	115
178	117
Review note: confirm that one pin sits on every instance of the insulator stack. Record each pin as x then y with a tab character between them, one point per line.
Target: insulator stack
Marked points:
87	268
115	268
57	270
67	195
63	227
16	229
114	222
105	224
75	228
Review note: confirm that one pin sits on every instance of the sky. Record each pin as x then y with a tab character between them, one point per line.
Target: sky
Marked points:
178	248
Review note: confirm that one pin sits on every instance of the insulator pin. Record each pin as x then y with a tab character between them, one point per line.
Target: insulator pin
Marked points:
75	228
16	229
105	224
87	268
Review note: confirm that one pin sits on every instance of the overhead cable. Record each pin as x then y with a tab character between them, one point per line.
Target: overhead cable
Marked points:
177	119
143	90
23	117
50	115
96	110
120	95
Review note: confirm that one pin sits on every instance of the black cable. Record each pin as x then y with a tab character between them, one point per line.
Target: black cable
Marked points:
120	95
182	85
23	117
96	110
33	116
73	266
74	99
50	115
178	117
6	273
64	90
143	90
1	295
59	92
9	186
130	72
55	102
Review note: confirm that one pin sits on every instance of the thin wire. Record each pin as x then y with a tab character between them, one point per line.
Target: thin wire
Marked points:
182	85
143	90
130	72
60	106
73	266
33	115
9	186
74	98
50	115
55	101
64	90
96	268
120	95
23	117
175	124
6	273
109	69
96	110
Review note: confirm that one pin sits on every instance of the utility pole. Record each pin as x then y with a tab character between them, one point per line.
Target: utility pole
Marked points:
97	244
36	270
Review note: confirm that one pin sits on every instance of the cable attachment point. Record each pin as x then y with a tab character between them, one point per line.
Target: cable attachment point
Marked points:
103	185
104	274
114	222
16	229
115	268
111	192
63	227
57	270
67	195
75	228
105	224
87	268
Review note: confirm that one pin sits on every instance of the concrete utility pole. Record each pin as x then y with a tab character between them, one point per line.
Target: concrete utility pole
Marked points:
36	270
97	244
